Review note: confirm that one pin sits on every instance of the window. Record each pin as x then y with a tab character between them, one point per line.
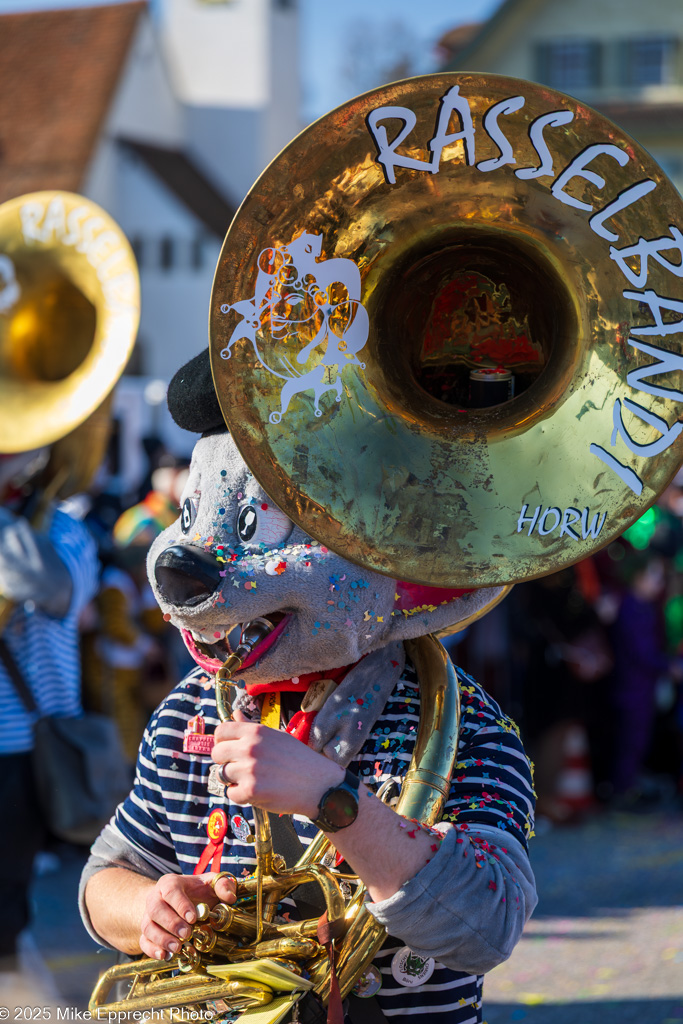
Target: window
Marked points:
197	253
135	367
648	61
166	253
569	65
138	247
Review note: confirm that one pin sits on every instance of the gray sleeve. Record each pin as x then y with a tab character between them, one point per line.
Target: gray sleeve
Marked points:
467	907
30	568
110	850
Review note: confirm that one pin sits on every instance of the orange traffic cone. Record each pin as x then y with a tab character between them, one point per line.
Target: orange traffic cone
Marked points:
574	793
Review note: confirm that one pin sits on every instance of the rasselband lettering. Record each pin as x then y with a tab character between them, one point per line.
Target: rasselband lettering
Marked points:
47	222
9	286
644	249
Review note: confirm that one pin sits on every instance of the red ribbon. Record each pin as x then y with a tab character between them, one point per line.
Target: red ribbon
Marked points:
213	853
216	829
302	721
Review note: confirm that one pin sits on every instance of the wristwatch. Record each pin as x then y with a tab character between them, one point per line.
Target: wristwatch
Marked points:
338	807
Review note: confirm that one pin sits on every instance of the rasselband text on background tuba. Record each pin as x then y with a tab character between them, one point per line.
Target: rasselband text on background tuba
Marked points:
448	229
69	312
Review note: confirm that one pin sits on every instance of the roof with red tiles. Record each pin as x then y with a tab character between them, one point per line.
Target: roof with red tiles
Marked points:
58	73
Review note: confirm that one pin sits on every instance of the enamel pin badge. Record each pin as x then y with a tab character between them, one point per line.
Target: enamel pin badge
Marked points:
195	740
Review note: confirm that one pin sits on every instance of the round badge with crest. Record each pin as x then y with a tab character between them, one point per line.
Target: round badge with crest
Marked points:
409	969
240	828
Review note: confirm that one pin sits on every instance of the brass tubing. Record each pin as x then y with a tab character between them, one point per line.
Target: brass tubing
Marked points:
290	878
170	983
224	690
313	852
202	939
299	929
235	922
218	946
135	971
271	901
136	968
264	860
231	665
426	783
303	929
299	949
237	994
264	842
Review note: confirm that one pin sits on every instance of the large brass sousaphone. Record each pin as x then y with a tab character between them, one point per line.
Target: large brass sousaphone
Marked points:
422	231
69	311
418	232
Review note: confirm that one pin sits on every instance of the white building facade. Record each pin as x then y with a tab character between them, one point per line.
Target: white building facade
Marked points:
208	96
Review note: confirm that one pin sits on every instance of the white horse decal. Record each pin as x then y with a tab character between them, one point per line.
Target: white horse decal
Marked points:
298	300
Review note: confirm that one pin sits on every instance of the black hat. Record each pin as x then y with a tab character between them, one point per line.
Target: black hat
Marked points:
191	397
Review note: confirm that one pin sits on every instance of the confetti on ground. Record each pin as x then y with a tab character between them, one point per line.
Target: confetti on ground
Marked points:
605	944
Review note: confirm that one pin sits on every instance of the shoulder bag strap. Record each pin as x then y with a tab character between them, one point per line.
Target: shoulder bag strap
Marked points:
16	678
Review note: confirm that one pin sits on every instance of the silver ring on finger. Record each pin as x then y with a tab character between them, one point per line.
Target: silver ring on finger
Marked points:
223	777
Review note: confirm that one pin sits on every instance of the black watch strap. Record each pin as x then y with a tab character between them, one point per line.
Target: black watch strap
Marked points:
338	807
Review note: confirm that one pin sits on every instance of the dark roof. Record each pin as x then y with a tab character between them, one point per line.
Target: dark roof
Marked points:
456	39
185	179
58	73
483	31
643	118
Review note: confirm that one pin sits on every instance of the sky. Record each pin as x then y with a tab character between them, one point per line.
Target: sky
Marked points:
330	30
345	45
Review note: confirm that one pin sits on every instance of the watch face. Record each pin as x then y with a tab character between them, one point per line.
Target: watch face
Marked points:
340	808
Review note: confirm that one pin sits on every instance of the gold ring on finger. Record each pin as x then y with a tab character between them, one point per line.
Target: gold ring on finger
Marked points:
217	878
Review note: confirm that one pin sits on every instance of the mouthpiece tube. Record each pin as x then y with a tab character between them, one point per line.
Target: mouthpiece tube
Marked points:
253	633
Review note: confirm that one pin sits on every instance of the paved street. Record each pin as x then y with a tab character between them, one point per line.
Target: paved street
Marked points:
605	945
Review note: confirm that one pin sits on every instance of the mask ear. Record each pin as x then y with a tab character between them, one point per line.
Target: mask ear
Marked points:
419	609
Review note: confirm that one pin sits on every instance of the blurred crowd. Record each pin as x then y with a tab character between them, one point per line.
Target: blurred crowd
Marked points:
85	655
130	657
589	662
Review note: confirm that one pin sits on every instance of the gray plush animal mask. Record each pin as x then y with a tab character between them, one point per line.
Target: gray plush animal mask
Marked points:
233	556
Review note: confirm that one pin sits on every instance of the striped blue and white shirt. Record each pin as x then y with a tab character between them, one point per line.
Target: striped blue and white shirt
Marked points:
45	648
164	818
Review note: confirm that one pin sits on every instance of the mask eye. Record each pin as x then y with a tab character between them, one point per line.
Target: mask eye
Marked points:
263	524
188	514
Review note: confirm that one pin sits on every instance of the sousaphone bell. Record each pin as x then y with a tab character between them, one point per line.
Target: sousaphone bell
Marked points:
422	231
